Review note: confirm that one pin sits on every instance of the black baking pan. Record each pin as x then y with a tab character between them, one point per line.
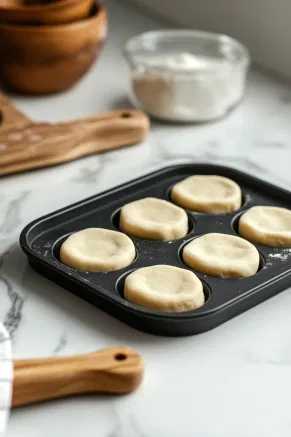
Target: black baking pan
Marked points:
225	298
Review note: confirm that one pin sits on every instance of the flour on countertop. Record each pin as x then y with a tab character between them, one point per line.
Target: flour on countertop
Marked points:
15	137
34	138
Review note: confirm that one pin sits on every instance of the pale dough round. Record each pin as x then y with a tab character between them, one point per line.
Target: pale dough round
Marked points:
97	250
267	225
222	255
153	219
208	194
164	288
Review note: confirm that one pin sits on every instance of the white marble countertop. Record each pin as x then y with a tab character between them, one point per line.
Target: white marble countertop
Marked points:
232	381
5	377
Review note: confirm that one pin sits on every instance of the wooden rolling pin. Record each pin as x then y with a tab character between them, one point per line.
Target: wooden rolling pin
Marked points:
114	370
25	144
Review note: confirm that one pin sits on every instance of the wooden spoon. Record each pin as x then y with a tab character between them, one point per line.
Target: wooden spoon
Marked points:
116	370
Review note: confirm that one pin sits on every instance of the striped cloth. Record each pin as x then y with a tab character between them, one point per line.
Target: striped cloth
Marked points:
5	378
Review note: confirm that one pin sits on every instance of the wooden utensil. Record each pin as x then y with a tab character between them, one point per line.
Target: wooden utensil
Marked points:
26	145
51	58
37	12
116	370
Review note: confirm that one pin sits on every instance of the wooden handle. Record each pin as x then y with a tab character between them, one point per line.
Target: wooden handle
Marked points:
113	370
11	117
27	145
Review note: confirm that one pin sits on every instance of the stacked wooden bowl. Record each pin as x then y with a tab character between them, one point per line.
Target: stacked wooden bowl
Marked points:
47	45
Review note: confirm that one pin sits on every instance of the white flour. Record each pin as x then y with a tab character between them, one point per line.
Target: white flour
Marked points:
184	87
282	255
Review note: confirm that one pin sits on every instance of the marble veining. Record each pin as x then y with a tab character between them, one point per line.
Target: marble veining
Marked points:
232	381
11	218
124	428
14	311
62	343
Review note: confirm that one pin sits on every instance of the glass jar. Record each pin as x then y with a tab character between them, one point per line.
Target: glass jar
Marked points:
187	75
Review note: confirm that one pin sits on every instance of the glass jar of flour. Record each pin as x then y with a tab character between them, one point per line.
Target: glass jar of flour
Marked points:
185	75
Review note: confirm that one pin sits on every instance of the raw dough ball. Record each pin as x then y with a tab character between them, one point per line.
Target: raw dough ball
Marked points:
222	255
164	288
208	194
97	250
267	225
153	219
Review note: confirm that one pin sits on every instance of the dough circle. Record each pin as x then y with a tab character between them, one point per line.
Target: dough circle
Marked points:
222	255
97	250
164	288
267	225
153	219
208	194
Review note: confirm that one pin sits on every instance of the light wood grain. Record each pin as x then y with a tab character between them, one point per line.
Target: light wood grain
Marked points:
116	370
25	145
10	117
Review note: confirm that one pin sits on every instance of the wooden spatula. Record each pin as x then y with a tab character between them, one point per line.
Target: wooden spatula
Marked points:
25	144
116	370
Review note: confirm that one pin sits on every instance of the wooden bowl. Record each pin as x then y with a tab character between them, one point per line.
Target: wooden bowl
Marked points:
61	11
49	59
